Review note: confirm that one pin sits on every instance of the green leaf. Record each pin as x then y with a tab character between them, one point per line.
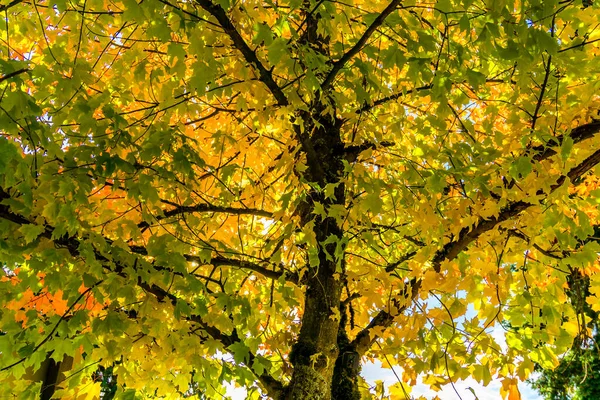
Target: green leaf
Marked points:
31	232
225	4
437	182
319	209
240	352
258	366
263	36
464	23
8	152
26	350
565	148
511	52
182	308
128	394
521	167
329	190
476	79
545	41
373	202
276	50
418	152
444	6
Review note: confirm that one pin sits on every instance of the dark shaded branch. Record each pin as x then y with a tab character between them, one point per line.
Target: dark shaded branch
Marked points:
384	319
578	171
220	261
339	64
194	16
579	134
392	266
13	74
467	235
547	150
352	152
72	244
547	253
6	213
536	115
200	208
11	4
584	43
264	75
395	96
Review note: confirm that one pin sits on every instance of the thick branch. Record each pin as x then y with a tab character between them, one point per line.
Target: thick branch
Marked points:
384	319
395	96
220	261
247	265
468	234
339	64
72	244
579	134
392	266
199	208
264	75
578	171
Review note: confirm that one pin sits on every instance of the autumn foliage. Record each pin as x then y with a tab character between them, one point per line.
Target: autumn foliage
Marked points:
272	194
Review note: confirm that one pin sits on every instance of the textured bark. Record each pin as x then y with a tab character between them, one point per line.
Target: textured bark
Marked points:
344	385
316	351
315	354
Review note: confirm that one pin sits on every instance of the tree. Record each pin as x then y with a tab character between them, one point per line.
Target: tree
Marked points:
273	193
576	377
578	374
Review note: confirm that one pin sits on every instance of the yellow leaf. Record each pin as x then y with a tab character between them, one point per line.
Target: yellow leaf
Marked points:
510	390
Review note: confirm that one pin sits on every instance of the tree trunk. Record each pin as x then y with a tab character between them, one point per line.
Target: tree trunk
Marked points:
344	385
315	354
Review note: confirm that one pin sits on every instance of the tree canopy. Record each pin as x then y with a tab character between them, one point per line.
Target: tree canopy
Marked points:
272	193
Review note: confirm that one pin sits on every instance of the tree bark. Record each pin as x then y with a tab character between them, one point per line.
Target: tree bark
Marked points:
344	385
315	354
